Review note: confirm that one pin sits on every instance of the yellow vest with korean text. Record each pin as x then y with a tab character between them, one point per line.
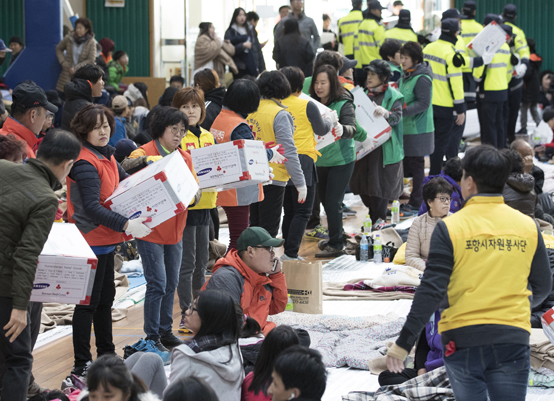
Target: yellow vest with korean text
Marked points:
304	137
494	246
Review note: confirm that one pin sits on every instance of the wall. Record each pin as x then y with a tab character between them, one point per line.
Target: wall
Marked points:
128	27
11	24
534	17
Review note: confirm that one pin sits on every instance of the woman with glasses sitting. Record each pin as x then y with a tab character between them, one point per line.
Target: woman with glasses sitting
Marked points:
437	195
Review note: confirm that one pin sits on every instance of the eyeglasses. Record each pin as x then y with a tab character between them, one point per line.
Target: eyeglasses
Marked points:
192	309
269	248
176	131
444	199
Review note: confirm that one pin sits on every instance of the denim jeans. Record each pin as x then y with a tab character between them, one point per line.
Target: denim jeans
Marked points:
161	265
192	274
501	370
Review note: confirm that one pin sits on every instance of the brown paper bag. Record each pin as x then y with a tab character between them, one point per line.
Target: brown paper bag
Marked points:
304	283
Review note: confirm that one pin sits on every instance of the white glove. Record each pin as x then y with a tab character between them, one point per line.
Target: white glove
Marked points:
271	176
487	57
136	228
521	69
380	111
277	157
302	194
338	130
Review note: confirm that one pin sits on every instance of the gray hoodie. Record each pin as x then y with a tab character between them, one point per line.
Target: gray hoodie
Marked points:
212	366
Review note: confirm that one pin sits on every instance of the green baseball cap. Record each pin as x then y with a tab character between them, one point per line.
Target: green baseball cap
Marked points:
257	236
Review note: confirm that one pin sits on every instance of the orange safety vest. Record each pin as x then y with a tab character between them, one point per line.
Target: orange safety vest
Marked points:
14	127
171	231
256	300
95	235
222	128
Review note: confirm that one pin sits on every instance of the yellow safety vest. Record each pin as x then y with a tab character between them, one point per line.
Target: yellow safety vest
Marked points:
448	84
521	48
189	142
470	29
370	37
304	138
402	34
498	72
262	127
492	261
348	27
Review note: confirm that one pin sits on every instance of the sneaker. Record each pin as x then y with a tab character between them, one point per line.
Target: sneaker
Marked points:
329	252
285	257
182	328
169	340
347	211
77	378
406	211
379	224
156	347
322	244
317	234
34	389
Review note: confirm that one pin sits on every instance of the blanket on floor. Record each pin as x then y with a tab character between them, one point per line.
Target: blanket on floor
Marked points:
346	341
336	291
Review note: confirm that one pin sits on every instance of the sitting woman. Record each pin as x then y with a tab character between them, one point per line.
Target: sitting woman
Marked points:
109	378
518	191
437	195
256	383
213	353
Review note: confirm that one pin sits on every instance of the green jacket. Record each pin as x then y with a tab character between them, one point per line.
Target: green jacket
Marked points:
28	211
393	149
116	73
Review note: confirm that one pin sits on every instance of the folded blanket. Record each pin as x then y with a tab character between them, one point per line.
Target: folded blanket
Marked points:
362	286
395	275
336	291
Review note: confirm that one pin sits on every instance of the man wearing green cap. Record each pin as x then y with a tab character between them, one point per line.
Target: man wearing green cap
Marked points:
252	275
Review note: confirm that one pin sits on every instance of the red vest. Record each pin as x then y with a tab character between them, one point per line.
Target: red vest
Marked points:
222	129
109	179
12	126
171	231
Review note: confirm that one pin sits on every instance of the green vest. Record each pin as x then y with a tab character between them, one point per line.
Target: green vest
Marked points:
420	123
393	149
306	86
342	151
395	68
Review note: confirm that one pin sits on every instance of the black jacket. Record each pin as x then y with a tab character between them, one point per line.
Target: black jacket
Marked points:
347	116
78	95
214	103
294	50
518	193
257	49
245	59
531	82
538	311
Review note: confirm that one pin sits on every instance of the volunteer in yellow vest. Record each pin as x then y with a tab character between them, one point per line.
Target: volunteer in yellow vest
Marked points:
242	98
470	29
271	123
493	79
416	85
370	37
521	49
448	88
308	122
348	28
485	262
390	52
162	250
468	64
196	236
378	176
93	178
403	30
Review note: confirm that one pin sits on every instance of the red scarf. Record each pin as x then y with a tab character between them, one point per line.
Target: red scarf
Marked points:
372	92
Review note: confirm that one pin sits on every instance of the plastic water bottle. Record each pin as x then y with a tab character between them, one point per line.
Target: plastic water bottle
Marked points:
536	137
364	249
377	250
289	303
367	225
395	212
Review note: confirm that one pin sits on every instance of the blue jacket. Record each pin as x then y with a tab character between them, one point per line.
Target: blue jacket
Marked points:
120	131
457	198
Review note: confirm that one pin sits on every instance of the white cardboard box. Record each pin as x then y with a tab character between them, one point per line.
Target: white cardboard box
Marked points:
66	268
321	141
490	39
160	191
377	128
230	165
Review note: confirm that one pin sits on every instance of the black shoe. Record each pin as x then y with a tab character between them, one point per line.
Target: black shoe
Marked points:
322	244
169	340
329	252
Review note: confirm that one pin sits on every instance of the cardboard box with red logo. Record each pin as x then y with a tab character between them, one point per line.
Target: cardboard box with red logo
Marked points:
66	268
231	165
160	191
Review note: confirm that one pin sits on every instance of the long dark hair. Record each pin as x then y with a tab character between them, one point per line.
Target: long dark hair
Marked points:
110	371
235	15
142	87
336	89
277	340
218	316
204	28
291	26
190	389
